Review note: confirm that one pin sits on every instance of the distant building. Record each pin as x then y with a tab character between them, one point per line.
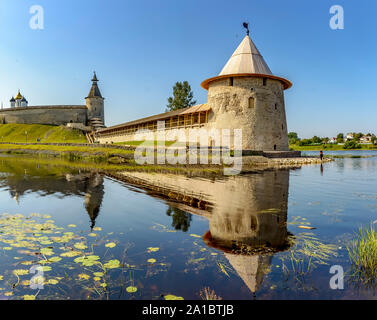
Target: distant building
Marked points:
366	139
90	116
19	101
349	136
333	141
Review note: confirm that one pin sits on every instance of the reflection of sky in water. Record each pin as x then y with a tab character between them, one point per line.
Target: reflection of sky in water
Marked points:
336	201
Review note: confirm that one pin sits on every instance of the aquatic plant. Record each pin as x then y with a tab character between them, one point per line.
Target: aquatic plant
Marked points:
307	253
53	251
207	294
362	252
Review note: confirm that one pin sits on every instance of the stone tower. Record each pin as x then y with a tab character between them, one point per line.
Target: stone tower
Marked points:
246	95
95	103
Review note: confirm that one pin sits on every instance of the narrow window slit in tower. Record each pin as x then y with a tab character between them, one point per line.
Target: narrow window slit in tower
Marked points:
264	81
251	102
231	81
275	147
276	106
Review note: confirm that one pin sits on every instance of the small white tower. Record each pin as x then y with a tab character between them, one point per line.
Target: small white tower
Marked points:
24	102
12	102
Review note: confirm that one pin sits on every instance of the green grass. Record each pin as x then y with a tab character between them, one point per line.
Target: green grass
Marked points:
328	147
47	133
66	149
362	253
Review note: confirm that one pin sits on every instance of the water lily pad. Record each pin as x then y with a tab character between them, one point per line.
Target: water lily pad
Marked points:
47	251
46	268
80	246
195	235
97	229
153	249
29	297
52	281
131	289
110	245
20	272
84	276
70	254
72	226
54	259
173	297
151	260
112	264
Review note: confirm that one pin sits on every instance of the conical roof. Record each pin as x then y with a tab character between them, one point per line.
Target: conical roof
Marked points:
246	61
251	269
94	90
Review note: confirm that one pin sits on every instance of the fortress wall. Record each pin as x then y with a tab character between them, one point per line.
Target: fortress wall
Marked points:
257	109
52	115
170	135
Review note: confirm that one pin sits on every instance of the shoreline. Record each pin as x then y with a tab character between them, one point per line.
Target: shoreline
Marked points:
122	159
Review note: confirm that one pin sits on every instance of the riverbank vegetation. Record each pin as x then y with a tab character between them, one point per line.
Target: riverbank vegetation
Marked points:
352	141
362	253
26	133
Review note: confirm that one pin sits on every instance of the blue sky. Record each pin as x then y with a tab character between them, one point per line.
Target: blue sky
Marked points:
141	48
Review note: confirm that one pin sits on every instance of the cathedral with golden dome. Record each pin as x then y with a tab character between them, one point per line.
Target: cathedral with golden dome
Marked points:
19	101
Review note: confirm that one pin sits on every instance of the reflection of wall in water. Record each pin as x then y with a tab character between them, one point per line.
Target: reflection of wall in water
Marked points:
87	184
246	210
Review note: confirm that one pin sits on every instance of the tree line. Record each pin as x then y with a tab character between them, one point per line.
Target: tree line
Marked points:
348	143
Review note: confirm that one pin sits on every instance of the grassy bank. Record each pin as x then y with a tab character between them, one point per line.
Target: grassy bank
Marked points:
47	133
328	147
63	150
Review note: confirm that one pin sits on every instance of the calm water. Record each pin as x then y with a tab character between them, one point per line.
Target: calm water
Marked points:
239	236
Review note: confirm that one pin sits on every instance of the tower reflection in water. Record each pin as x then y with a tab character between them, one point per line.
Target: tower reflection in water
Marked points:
35	178
247	215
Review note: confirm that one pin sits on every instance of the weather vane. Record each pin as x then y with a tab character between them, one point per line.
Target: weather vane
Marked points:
246	26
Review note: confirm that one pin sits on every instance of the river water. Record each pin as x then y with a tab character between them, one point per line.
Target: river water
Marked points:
158	236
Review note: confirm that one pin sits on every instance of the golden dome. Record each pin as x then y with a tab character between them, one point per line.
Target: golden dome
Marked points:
18	96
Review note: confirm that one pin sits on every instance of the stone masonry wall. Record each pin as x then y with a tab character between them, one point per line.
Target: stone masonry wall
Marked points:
53	115
256	108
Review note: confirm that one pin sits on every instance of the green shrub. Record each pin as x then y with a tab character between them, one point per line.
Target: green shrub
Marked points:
351	145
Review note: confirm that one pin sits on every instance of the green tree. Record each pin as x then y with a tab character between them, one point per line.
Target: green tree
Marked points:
351	145
305	142
316	140
357	136
340	138
293	138
182	97
181	219
325	140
